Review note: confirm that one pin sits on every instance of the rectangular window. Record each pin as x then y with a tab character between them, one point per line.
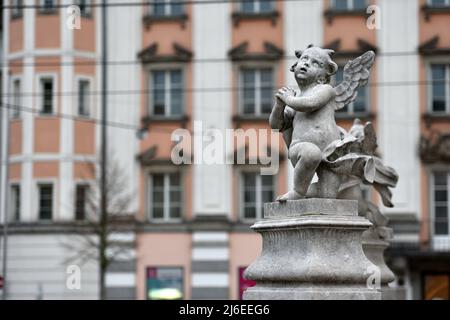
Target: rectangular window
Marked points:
361	103
17	9
256	6
81	194
257	91
257	189
439	3
440	88
167	8
47	96
167	92
15	203
165	196
164	283
45	201
16	99
441	203
48	5
83	98
85	7
348	5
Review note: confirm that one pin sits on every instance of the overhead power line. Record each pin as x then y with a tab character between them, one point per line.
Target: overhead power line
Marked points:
213	89
138	4
85	61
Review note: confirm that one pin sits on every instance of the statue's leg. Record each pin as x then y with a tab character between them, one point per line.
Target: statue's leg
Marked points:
307	158
329	182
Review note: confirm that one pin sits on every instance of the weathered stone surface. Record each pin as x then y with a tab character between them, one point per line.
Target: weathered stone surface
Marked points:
311	254
310	207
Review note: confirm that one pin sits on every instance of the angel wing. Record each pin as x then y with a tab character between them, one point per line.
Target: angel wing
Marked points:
356	74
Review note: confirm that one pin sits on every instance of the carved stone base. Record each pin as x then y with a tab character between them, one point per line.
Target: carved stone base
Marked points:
312	249
374	247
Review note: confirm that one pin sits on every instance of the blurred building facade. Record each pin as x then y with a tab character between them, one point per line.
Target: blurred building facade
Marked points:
215	65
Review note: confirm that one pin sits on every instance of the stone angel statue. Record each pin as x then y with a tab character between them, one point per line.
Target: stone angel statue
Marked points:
306	118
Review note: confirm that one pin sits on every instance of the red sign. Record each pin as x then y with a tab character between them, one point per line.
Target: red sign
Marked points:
244	283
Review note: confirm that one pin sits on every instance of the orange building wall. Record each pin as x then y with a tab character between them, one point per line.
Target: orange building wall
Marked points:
47	30
242	256
46	135
15	35
162	250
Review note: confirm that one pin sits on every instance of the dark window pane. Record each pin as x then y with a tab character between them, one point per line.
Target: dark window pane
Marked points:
176	97
83	6
248	6
250	212
15	203
45	202
438	3
341	4
47	96
440	195
265	5
48	5
158	180
359	105
175	212
441	220
249	180
266	180
158	7
175	179
267	196
80	202
176	8
266	91
440	179
158	197
175	196
249	196
438	87
83	99
359	4
176	102
158	212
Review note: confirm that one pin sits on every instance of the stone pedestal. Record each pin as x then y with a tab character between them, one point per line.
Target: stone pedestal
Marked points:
312	249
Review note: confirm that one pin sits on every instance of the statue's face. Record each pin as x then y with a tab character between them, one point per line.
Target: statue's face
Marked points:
311	65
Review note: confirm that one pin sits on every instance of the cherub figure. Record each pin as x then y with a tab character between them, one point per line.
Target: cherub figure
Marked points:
307	121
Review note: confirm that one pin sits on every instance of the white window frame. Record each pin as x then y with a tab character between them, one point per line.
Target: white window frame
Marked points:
258	200
350	5
257	8
167	98
166	171
257	92
430	4
439	241
38	183
441	61
16	105
167	8
39	97
90	96
12	202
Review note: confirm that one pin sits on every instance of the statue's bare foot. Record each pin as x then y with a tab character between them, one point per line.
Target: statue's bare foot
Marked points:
291	195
